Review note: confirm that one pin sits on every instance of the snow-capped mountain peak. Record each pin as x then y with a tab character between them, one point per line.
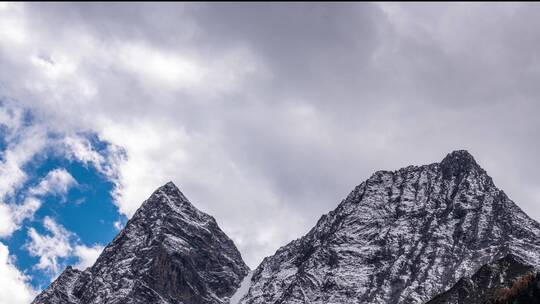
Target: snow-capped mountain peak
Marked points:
400	237
168	252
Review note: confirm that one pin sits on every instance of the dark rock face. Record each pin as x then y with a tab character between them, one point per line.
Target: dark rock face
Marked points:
524	290
457	164
481	287
169	252
402	237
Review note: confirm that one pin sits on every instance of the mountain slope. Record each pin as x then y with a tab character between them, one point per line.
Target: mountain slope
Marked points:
524	290
400	237
484	284
169	252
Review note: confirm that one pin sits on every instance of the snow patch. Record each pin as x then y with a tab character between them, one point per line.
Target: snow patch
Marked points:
242	290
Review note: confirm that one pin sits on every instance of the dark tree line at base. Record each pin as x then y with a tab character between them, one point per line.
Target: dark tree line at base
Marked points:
525	290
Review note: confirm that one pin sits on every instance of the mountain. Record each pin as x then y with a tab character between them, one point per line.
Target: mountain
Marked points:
440	234
402	237
524	290
485	283
168	252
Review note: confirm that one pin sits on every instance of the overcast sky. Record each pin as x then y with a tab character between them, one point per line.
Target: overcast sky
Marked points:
264	115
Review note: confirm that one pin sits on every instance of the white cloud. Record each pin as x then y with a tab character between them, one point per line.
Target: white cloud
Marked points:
14	288
117	225
154	66
21	148
23	143
136	183
216	109
27	139
26	209
78	147
50	247
13	215
12	27
87	255
59	244
11	117
57	181
7	224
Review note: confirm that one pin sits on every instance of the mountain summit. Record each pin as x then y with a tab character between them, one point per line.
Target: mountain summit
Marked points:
442	233
401	237
169	252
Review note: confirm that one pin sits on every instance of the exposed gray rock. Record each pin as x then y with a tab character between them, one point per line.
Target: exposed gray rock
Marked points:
482	285
169	252
400	237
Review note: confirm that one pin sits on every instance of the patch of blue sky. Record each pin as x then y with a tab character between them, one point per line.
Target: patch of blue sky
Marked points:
87	210
3	143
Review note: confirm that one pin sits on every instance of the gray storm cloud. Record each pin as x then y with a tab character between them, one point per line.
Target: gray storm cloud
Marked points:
266	115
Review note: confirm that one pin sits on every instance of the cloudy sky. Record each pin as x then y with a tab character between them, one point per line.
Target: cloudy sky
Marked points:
265	115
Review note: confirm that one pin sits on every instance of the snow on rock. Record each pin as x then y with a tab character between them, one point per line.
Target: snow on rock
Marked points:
169	252
400	237
242	290
482	286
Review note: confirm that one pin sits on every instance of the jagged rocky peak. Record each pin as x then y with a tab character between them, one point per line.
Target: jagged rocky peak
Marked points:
168	252
171	190
168	200
400	237
458	163
169	196
460	158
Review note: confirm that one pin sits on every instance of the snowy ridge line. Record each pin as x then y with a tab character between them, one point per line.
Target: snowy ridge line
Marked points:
400	237
168	252
405	236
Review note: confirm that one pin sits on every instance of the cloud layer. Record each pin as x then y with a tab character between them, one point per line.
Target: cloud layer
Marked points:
13	287
267	115
58	244
51	246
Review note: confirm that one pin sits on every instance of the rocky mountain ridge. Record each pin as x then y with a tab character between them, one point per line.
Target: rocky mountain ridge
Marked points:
441	232
400	237
168	252
484	284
